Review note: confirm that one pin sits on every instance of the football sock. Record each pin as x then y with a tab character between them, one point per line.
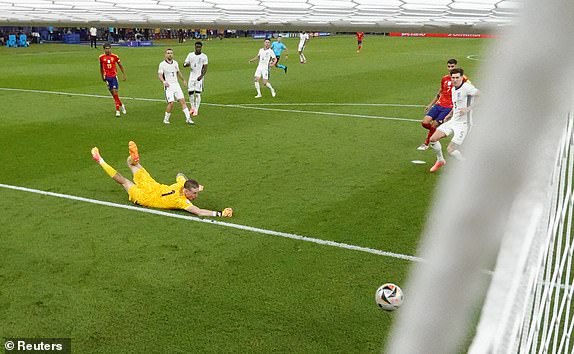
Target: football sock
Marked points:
457	155
167	115
438	150
117	99
281	66
186	112
431	132
109	169
197	101
258	87
427	126
268	85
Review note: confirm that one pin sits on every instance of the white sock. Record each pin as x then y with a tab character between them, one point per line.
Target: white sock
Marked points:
457	155
186	112
302	57
258	88
197	101
167	115
192	101
437	149
268	85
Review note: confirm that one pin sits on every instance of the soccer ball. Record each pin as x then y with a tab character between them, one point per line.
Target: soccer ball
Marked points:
389	297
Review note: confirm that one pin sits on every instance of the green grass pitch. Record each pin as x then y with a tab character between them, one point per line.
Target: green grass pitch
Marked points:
119	281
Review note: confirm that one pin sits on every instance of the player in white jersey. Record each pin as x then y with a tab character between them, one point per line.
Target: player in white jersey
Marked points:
464	97
303	38
198	63
168	73
266	60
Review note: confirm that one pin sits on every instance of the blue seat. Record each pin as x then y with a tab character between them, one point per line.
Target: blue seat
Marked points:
22	42
11	41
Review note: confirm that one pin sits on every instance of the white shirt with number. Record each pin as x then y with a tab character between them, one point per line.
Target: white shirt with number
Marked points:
196	63
93	31
265	57
303	38
462	97
169	71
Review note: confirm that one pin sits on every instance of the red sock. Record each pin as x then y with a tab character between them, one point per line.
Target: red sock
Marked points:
427	125
431	131
117	100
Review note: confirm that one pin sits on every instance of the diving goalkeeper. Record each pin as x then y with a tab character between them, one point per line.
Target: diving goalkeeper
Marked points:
145	191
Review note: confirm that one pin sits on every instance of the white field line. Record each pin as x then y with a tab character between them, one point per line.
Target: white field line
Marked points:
242	106
219	223
334	104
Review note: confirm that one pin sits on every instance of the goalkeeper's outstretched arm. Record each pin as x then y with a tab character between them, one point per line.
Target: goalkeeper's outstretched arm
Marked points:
227	212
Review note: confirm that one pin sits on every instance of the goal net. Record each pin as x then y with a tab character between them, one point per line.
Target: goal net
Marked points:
507	208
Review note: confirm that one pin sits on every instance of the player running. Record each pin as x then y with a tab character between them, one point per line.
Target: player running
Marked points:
440	106
108	71
198	63
266	59
278	48
360	36
303	38
464	99
168	73
145	191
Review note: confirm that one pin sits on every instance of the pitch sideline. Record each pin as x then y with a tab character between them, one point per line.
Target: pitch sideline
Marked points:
219	223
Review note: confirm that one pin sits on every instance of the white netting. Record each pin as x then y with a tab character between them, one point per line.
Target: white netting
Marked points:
499	199
529	304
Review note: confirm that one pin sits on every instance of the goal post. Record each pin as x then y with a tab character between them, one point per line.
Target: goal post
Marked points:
506	208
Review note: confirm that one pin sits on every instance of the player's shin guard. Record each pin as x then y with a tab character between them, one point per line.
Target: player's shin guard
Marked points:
437	148
197	101
186	112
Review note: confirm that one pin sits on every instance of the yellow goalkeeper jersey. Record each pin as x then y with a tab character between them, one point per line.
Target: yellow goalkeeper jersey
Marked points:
149	193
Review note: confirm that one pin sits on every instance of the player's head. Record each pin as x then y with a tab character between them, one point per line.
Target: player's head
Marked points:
267	43
198	46
107	48
191	189
456	75
279	38
169	54
451	64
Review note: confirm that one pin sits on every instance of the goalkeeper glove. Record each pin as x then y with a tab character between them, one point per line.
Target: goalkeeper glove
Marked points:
227	213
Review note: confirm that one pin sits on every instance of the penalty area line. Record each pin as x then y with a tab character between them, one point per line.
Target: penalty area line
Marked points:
241	106
219	223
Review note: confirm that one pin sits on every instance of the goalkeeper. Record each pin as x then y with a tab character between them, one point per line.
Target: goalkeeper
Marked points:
145	191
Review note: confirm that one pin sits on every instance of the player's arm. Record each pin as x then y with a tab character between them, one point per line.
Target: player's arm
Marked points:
273	61
102	74
254	58
474	103
181	78
161	78
122	70
227	212
434	100
203	72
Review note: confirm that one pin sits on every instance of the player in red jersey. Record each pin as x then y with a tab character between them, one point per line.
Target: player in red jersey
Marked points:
440	106
360	36
108	62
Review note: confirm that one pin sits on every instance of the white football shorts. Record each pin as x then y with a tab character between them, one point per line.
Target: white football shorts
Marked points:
262	72
194	85
459	131
173	93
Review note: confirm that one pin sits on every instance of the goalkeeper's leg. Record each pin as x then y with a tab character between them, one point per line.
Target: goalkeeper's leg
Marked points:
126	183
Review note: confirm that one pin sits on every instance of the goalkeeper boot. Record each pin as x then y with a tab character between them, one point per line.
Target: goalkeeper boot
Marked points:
134	156
96	154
